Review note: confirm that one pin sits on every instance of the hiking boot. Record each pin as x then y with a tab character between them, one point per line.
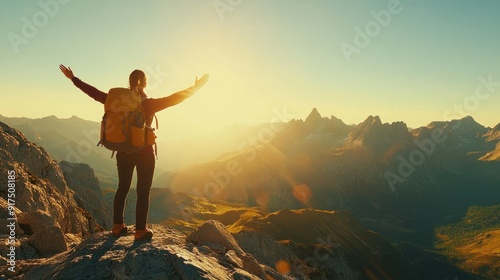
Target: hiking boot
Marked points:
143	234
119	229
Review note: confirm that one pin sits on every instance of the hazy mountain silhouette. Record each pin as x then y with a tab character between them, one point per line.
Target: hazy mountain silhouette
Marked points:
366	169
75	139
72	140
465	135
318	163
380	137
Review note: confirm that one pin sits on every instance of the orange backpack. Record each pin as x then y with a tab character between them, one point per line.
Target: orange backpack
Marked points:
123	126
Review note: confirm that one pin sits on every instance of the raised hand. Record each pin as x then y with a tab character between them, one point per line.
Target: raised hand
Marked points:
67	71
202	81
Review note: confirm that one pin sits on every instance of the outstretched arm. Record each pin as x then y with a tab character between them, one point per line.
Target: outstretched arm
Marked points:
153	105
91	91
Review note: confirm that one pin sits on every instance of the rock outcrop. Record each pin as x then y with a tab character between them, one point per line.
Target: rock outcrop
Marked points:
166	256
43	204
317	244
81	179
214	232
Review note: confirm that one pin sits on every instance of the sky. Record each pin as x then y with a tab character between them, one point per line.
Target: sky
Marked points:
412	61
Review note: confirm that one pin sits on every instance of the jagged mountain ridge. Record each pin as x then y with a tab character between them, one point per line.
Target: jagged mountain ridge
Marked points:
310	137
205	255
400	182
464	134
373	169
379	136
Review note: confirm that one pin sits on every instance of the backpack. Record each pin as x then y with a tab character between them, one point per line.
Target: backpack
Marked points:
123	125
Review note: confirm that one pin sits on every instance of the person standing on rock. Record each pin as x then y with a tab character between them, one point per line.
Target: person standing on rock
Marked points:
143	161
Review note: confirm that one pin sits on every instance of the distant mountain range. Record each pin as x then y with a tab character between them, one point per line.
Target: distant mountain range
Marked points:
412	186
401	182
61	209
72	140
75	139
390	156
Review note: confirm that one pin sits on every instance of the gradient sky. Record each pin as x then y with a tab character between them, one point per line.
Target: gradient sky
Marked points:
261	56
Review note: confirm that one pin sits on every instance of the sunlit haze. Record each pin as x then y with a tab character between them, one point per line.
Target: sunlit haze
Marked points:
411	61
320	139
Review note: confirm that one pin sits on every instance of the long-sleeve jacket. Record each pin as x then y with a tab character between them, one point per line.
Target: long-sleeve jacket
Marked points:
150	105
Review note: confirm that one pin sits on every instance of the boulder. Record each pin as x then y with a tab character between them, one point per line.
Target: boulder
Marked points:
48	240
35	220
214	232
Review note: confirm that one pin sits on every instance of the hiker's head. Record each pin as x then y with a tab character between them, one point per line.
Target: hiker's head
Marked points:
137	80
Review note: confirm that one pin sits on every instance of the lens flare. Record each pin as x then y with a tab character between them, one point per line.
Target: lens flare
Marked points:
302	193
283	267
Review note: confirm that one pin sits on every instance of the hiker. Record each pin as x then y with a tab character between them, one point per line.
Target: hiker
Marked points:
144	160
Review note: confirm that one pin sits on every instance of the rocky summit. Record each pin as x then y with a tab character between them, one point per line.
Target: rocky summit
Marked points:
169	255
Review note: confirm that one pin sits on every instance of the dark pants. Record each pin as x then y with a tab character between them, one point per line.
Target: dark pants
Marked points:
145	164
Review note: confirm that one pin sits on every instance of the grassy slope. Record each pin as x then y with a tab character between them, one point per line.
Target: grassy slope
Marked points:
474	242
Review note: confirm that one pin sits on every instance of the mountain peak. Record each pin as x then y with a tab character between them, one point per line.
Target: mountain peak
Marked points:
316	124
373	120
468	125
370	123
373	133
313	116
470	120
51	117
73	117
